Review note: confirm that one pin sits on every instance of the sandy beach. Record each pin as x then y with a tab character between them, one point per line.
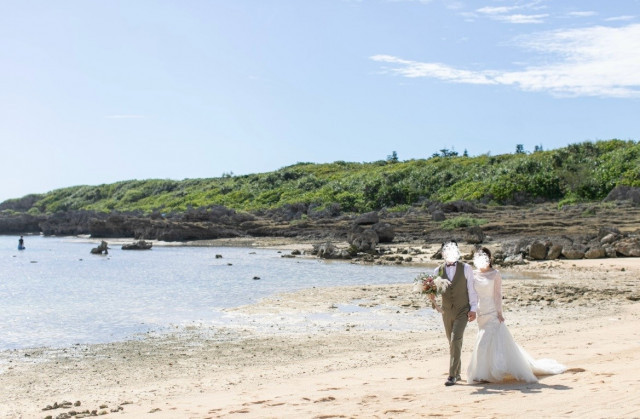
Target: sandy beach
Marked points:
581	313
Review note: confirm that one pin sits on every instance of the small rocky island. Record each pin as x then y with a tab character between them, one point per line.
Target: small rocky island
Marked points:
137	245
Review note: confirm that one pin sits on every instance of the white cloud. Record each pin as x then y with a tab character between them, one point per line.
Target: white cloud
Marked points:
620	18
496	10
507	13
596	61
519	18
413	69
582	14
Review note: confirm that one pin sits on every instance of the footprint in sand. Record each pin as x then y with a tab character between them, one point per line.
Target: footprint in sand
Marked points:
325	399
368	399
406	397
258	402
239	411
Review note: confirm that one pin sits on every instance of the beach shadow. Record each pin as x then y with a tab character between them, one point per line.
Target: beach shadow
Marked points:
525	388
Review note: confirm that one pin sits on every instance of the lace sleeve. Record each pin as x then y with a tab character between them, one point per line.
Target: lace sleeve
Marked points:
497	292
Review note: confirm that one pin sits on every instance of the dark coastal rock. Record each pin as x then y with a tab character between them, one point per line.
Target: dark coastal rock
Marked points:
363	240
609	238
459	206
520	246
610	251
516	259
329	251
368	218
138	245
214	213
498	257
316	211
624	193
70	223
475	235
116	225
20	223
385	231
537	251
554	252
288	212
628	247
606	230
191	231
595	253
571	252
438	215
101	249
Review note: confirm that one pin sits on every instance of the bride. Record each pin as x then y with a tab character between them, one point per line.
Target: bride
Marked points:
496	356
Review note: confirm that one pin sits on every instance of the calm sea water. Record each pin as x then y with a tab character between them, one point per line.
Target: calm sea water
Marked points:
55	293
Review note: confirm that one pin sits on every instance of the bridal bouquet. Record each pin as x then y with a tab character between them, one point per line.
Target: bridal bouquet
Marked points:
430	285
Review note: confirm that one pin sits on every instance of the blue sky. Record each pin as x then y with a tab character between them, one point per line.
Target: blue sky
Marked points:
100	91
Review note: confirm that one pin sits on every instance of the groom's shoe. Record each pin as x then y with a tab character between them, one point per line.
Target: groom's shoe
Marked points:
451	381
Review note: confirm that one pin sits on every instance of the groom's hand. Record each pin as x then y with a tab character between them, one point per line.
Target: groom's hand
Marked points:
471	316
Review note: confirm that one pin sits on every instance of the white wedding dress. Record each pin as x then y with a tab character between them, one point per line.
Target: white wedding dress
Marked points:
496	356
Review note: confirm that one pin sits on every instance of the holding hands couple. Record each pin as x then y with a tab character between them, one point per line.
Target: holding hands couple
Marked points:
478	293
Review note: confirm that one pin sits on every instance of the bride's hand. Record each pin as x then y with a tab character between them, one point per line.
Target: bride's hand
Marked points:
500	318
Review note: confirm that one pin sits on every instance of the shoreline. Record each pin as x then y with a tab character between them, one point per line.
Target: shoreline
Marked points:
572	311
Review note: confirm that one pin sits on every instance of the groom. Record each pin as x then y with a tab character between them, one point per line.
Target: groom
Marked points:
459	304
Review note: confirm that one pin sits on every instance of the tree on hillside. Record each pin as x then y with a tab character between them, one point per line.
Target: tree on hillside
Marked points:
393	157
445	152
520	149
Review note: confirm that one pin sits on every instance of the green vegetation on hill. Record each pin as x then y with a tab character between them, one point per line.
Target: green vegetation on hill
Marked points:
579	172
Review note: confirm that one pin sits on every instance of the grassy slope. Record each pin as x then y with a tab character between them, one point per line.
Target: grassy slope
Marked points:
578	172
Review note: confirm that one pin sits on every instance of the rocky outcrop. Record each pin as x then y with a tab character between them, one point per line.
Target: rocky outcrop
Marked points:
367	231
438	215
385	231
475	235
624	193
103	248
596	252
329	251
368	218
20	223
629	246
572	252
538	250
609	242
138	245
70	223
554	252
363	240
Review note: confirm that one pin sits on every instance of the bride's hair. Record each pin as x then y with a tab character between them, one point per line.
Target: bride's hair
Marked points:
488	253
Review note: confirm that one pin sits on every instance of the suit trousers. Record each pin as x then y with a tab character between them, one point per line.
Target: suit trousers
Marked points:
455	321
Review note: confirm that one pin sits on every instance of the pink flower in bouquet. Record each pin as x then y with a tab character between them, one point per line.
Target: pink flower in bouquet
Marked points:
432	286
429	284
